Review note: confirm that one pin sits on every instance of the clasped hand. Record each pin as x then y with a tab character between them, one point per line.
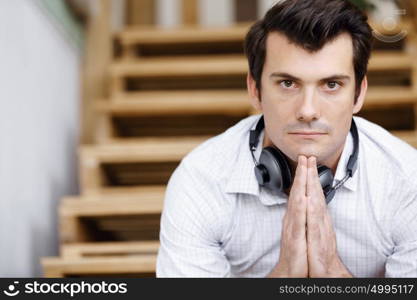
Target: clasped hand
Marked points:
308	241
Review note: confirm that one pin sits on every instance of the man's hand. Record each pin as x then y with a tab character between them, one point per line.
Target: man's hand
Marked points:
293	254
323	260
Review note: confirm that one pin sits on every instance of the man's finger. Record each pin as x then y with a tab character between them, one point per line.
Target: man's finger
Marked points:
314	188
316	202
312	176
300	179
297	202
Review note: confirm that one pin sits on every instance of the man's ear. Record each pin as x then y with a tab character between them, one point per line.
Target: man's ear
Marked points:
253	93
361	98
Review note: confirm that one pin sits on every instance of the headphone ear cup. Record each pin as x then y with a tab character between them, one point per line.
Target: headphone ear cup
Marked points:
277	167
326	182
261	174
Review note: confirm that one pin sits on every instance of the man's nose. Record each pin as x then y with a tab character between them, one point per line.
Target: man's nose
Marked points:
308	109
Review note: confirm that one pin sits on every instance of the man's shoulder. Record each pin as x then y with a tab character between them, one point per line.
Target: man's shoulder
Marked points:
388	150
206	169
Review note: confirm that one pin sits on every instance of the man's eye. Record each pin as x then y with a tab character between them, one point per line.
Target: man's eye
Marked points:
287	83
332	85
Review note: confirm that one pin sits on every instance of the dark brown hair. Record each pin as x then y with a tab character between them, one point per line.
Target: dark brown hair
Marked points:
311	24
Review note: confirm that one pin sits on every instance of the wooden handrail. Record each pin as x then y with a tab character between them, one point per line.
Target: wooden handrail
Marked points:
141	12
189	12
98	53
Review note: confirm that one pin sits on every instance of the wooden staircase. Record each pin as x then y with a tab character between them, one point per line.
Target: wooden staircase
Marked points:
167	83
169	91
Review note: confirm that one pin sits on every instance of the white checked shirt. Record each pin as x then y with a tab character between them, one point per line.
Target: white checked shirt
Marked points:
218	222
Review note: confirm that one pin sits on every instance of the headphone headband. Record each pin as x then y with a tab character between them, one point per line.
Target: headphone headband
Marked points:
255	133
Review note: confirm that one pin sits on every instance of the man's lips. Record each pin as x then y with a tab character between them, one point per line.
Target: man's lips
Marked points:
308	133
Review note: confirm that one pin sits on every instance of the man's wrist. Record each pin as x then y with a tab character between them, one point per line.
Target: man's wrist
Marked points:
277	272
340	270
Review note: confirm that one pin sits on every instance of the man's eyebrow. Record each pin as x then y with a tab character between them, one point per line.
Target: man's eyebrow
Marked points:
336	77
292	77
284	75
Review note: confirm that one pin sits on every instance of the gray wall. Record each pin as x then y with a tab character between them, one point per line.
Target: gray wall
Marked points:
39	100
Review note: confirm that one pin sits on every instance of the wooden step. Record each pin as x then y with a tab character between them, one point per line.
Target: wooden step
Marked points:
389	96
112	217
135	39
390	60
141	150
145	41
183	66
146	161
141	200
173	113
229	71
100	249
148	103
135	266
166	126
231	65
182	35
204	34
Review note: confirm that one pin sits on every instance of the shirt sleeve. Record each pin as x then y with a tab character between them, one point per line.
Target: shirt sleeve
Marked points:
403	260
190	230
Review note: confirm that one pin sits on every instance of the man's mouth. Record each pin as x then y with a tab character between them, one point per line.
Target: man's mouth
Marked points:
308	134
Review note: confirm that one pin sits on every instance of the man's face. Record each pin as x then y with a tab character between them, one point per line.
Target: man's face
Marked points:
307	98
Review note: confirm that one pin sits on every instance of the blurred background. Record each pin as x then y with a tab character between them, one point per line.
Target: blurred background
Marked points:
101	99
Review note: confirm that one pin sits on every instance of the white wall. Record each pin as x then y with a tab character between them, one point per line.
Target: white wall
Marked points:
264	6
210	12
39	98
216	12
168	13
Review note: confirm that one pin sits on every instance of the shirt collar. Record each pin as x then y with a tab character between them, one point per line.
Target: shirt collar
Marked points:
242	178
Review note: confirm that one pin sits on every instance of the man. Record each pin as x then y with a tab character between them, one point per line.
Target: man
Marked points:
308	61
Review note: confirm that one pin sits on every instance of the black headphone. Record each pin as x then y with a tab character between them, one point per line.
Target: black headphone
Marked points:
273	170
